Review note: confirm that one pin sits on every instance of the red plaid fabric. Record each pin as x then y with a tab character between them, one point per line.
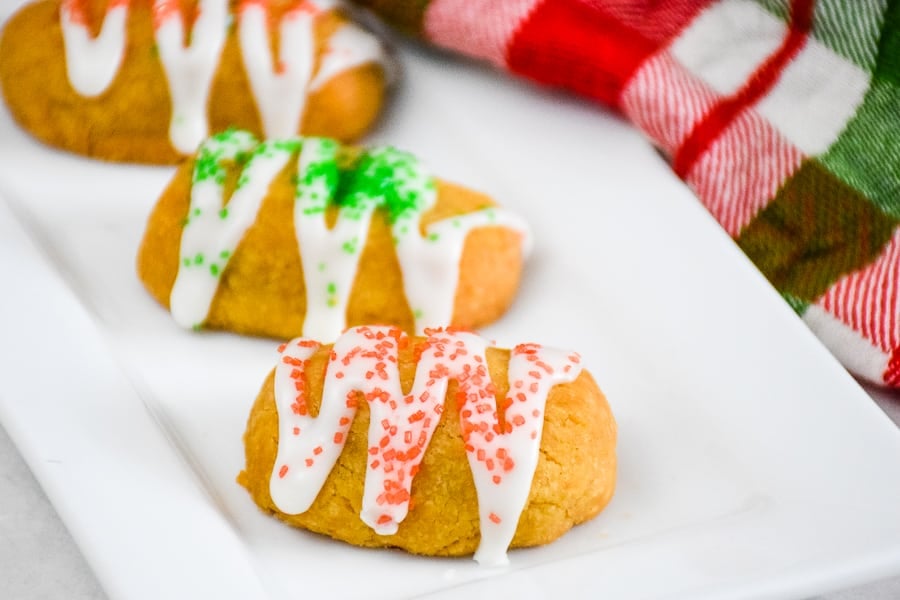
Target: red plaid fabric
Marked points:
783	116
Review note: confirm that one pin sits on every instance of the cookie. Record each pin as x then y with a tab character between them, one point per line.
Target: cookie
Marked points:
440	445
304	236
147	80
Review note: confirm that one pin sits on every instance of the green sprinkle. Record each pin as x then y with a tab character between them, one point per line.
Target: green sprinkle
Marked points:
457	223
196	212
197	326
350	246
223	214
224	254
433	237
321	266
187	262
418	313
331	288
198	260
214	269
331	302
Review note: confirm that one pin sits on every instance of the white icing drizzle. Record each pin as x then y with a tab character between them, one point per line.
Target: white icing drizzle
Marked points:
330	257
364	360
533	371
430	264
189	70
92	63
349	47
280	92
213	231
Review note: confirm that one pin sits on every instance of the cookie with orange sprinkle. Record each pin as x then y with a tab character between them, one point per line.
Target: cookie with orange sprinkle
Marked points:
439	444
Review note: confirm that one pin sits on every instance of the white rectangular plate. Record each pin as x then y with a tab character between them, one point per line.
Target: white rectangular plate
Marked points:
751	464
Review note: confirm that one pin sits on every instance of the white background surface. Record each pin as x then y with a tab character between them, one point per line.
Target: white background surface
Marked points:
659	304
39	560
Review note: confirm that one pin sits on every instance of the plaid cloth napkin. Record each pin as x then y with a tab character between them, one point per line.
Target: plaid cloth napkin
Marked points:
783	116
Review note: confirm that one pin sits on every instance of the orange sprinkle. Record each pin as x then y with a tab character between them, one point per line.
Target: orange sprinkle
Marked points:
344	421
309	462
416	416
317	450
338	437
384	519
296	431
533	388
407	437
508	464
496	479
375	464
339	375
494	518
384	441
536	413
534	435
282	471
518	420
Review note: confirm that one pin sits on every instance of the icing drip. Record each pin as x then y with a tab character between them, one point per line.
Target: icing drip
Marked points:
383	177
280	91
503	460
349	47
92	63
363	362
330	256
430	264
212	230
189	70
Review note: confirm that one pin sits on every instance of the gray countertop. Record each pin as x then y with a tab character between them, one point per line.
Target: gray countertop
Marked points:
39	560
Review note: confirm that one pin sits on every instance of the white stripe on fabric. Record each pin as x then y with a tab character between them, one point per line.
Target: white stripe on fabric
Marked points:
726	43
817	93
855	352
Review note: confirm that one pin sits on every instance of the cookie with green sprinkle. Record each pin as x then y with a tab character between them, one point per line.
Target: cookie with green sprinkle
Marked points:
304	236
